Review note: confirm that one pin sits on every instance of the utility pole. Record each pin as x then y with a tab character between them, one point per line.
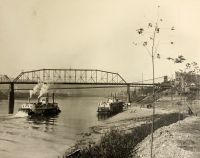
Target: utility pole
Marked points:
171	83
142	85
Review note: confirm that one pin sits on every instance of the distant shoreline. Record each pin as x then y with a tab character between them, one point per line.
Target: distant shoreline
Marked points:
3	97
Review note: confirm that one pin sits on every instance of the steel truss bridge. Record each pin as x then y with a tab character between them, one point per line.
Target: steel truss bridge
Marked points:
70	76
91	77
4	79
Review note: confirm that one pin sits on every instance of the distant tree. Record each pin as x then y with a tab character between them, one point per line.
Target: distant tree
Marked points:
190	79
189	75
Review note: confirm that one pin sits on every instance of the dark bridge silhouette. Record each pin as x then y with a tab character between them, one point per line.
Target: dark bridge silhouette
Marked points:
94	78
70	76
4	79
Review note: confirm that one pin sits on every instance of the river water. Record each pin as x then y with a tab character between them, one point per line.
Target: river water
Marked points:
22	137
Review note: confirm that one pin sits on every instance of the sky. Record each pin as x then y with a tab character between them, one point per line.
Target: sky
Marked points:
96	34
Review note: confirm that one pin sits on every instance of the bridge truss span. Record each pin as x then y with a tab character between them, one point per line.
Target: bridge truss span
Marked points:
70	76
4	79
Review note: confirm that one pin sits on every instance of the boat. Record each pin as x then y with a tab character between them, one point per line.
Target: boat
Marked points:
42	107
111	106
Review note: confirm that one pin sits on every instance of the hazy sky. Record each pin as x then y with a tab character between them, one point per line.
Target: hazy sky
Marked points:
95	34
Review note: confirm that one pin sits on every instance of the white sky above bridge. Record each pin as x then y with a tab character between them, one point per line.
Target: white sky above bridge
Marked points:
95	34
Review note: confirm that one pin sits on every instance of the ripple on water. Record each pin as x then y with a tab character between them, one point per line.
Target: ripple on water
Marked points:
25	135
45	137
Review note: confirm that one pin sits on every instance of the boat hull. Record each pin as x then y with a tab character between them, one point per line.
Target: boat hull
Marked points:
113	108
46	112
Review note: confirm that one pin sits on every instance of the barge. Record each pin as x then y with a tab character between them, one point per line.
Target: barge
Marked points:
111	106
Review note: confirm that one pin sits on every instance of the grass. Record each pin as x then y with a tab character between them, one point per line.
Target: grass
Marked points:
118	144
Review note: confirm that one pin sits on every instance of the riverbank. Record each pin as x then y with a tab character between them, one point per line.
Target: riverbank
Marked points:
122	135
125	121
136	121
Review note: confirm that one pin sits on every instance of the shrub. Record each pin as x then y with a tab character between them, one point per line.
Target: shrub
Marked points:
118	144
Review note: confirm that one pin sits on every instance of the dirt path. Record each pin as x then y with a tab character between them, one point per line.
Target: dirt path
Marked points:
178	140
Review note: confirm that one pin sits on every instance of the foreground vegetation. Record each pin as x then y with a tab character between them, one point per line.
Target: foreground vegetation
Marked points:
120	144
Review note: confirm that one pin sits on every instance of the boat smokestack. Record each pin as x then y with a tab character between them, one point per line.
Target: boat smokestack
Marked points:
53	97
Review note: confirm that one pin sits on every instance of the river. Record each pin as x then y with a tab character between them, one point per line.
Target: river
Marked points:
22	137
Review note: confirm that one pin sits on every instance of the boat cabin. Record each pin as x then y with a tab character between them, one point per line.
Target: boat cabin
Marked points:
44	100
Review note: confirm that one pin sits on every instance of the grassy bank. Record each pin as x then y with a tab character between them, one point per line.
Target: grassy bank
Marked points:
120	144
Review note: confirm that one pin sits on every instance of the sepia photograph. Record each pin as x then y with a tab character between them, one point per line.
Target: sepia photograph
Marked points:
99	79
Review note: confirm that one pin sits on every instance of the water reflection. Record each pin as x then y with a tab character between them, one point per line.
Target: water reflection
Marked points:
47	123
103	116
21	136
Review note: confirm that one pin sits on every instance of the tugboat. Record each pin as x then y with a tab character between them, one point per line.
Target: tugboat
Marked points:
112	106
42	107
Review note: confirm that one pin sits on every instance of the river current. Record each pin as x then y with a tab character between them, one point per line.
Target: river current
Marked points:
22	137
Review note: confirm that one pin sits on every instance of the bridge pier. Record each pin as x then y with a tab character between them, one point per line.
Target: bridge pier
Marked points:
11	98
128	93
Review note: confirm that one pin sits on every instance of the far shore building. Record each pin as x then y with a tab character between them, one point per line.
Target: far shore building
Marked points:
185	82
